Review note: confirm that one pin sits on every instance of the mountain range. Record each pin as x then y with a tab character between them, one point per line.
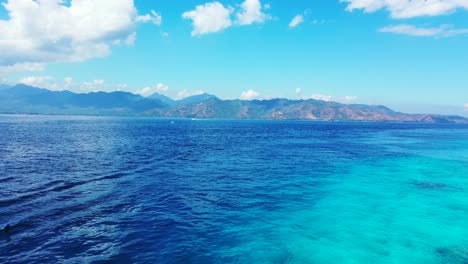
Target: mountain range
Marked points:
26	99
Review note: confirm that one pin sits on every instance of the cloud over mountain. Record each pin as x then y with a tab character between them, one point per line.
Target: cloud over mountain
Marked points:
26	99
158	88
249	95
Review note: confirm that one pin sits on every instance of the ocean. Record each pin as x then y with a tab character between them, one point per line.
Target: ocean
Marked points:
147	190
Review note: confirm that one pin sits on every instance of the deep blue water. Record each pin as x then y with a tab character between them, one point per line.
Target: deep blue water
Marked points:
143	190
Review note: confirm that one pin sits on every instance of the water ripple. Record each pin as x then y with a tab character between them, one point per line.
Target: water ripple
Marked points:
142	190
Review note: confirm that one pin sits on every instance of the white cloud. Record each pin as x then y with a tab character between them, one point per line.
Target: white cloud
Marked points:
408	8
345	99
158	88
47	82
298	90
251	12
442	31
349	99
161	88
4	81
184	94
215	17
49	31
298	19
146	91
122	87
92	86
249	95
68	82
321	97
154	18
21	67
130	40
466	107
209	18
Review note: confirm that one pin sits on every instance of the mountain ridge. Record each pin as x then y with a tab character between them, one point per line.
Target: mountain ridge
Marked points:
32	100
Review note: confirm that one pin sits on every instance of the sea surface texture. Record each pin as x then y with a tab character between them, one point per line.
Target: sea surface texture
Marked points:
144	190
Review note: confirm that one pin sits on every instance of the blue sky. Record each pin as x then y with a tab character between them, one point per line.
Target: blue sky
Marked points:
409	55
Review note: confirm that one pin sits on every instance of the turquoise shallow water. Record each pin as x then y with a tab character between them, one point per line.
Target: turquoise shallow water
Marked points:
409	207
142	190
412	214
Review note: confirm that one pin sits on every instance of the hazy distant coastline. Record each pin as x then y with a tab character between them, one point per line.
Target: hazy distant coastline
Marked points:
23	99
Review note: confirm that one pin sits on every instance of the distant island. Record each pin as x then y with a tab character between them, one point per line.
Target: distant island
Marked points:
24	99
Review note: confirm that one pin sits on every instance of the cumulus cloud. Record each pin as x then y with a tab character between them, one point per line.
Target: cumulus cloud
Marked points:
154	18
122	87
146	91
408	8
21	67
49	31
251	12
321	97
92	86
298	90
68	83
215	17
298	19
349	99
442	31
342	99
184	94
209	18
249	95
161	88
158	88
47	82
